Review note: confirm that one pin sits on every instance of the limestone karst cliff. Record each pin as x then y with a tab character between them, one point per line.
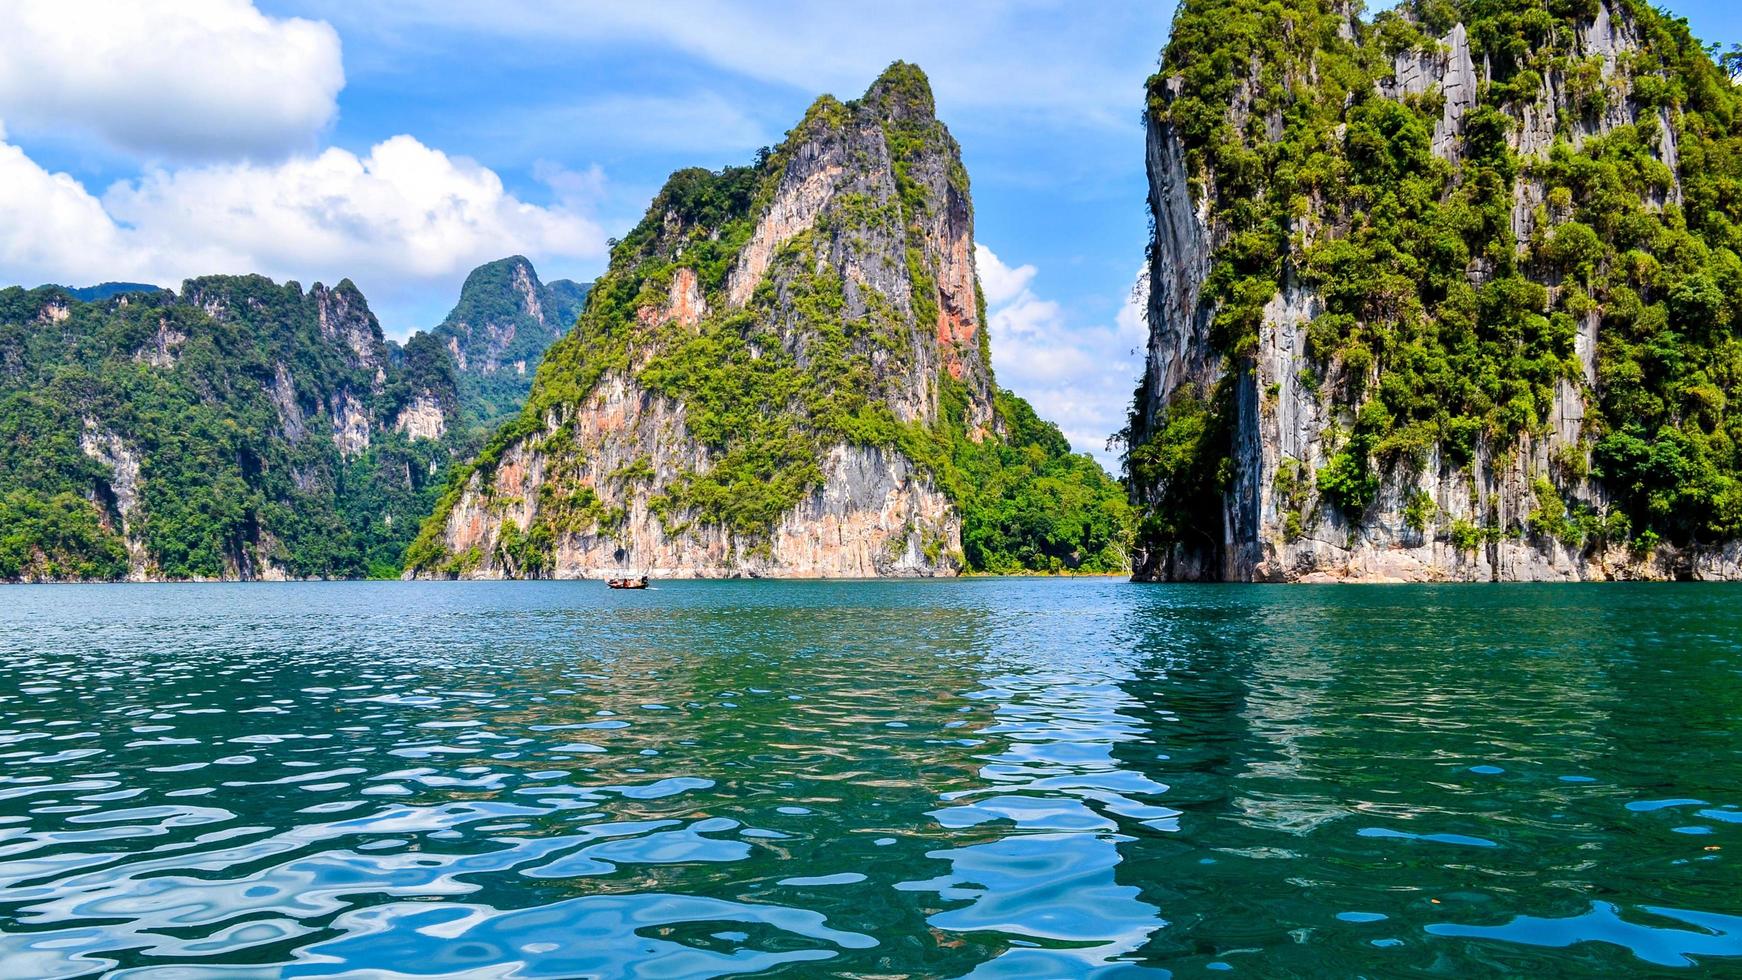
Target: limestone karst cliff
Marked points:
243	429
1447	295
236	429
784	372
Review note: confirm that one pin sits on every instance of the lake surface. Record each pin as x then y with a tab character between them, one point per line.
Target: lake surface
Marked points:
990	778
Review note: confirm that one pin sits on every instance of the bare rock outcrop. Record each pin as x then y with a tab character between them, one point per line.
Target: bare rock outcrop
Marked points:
423	418
122	490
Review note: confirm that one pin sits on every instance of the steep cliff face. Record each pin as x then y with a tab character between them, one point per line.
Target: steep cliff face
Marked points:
783	373
237	430
499	330
1438	297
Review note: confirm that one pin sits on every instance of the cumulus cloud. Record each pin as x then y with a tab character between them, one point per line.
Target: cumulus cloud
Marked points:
403	219
405	207
173	78
50	225
1079	377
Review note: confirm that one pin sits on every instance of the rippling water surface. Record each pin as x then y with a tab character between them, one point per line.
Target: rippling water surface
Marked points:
993	778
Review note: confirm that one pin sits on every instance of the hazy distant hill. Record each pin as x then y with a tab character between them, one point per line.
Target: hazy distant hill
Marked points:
239	429
107	290
244	429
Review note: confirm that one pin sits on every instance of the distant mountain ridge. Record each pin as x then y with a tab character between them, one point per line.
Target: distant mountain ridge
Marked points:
238	429
107	290
241	429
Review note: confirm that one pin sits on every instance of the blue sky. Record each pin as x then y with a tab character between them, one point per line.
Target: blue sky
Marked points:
400	142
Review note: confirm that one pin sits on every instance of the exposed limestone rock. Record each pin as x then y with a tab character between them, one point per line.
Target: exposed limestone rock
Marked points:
528	291
684	304
160	350
282	392
595	491
343	316
1179	343
1609	37
123	488
350	423
422	419
810	183
1449	69
874	515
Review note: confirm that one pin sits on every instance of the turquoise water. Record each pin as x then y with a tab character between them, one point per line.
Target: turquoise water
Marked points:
991	778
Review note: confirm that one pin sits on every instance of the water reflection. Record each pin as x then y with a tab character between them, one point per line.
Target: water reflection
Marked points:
991	778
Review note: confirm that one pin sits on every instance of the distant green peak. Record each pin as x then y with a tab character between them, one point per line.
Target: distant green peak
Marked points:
902	92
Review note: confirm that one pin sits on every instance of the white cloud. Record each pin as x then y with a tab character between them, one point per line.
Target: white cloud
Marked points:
1079	377
401	221
1000	283
574	188
50	225
178	78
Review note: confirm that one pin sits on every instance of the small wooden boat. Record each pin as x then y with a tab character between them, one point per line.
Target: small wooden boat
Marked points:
628	583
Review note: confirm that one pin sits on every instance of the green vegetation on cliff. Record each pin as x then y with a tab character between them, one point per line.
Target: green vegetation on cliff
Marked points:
1030	503
1440	328
812	358
499	330
203	425
245	428
57	537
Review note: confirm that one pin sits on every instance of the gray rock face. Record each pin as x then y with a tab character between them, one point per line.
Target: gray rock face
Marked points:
423	418
282	393
123	462
161	350
344	317
874	514
1281	425
1448	69
1179	344
833	179
350	423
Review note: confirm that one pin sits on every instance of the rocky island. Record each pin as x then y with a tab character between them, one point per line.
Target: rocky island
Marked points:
785	372
1445	295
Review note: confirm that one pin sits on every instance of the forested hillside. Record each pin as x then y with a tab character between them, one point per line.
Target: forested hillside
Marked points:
1451	293
243	429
